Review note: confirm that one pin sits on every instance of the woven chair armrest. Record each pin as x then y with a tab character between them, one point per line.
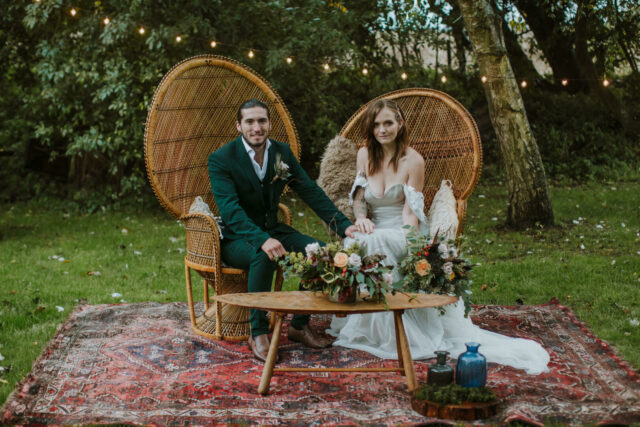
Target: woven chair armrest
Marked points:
285	214
203	240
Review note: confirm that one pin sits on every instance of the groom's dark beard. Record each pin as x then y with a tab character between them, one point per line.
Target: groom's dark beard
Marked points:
258	145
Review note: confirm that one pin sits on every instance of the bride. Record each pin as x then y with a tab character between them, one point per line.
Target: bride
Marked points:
389	184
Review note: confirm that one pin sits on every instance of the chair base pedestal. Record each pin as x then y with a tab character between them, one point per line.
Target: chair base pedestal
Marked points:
234	327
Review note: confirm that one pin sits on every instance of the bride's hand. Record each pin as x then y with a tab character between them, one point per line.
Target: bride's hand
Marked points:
365	225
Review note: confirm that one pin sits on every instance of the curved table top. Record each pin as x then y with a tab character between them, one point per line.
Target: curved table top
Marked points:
310	302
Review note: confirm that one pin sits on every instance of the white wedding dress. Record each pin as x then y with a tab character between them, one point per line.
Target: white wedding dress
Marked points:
427	330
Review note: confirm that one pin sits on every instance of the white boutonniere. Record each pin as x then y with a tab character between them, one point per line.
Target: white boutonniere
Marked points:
281	169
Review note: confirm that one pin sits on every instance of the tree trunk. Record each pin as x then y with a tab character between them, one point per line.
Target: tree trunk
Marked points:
529	201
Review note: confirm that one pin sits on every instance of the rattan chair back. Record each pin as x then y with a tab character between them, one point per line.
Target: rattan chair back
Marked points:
440	129
193	113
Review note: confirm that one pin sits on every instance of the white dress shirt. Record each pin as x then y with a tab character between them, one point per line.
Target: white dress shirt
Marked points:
260	171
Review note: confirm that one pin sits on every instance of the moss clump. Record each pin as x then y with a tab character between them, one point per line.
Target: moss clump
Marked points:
454	394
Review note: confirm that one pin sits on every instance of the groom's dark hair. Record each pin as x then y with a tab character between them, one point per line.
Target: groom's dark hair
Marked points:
250	103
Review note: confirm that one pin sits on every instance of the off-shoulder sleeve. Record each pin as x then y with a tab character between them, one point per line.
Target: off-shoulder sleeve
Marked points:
416	202
360	181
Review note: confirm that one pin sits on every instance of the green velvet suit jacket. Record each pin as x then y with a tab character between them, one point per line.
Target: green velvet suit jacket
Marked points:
248	207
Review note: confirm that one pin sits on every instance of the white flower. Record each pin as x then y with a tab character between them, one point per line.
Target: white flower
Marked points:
634	322
388	278
442	248
137	253
60	308
355	260
311	249
599	227
116	295
124	231
447	268
453	252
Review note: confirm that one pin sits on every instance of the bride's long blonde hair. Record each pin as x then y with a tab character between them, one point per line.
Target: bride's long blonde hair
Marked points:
373	146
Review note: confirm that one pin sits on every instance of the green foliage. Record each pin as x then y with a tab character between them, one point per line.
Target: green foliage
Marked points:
80	88
578	138
454	394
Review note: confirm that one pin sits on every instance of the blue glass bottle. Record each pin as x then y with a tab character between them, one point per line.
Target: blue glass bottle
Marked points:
471	370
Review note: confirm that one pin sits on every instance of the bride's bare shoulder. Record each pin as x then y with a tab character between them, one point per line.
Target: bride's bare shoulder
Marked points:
414	158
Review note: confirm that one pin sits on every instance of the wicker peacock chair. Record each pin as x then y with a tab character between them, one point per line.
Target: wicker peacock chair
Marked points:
446	135
193	113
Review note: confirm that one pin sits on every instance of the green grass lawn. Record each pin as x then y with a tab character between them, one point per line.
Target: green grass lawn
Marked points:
52	259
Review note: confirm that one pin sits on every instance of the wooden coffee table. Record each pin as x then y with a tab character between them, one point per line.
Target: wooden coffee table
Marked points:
308	302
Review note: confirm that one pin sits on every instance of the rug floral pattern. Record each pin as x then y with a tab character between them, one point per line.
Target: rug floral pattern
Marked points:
141	364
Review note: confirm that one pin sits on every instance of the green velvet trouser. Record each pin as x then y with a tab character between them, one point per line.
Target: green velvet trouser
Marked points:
240	253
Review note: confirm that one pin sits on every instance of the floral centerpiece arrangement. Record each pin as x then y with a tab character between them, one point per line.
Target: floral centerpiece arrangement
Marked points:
435	266
339	271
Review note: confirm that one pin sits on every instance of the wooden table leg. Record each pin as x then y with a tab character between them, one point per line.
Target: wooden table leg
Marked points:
398	348
401	337
267	371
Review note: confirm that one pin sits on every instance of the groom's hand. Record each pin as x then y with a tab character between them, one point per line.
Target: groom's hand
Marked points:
350	230
273	248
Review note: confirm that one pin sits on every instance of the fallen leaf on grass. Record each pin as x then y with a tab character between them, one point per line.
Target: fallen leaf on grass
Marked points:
41	307
94	273
13	261
13	292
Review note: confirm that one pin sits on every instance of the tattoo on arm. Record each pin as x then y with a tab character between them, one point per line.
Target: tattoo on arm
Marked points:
359	204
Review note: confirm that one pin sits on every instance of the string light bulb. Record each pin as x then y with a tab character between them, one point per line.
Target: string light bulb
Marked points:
606	83
141	30
178	39
403	76
365	71
289	60
523	84
484	79
326	67
565	82
73	12
213	43
106	21
250	54
444	79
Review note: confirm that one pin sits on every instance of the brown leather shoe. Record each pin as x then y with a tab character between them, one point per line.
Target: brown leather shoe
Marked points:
260	347
308	337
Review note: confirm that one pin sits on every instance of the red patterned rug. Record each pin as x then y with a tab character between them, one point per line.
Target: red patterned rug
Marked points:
141	364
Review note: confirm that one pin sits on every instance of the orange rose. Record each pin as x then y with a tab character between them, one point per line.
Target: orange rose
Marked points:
423	267
341	259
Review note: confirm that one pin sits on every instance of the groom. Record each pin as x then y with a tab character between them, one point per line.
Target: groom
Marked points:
247	177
